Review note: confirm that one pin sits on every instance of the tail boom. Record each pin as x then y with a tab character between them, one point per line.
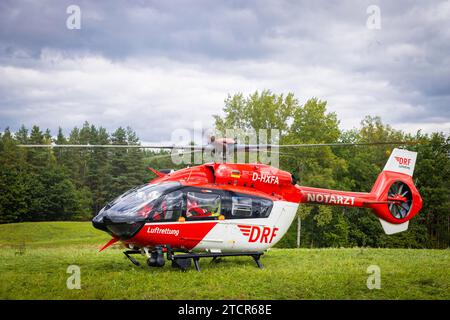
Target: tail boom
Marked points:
393	198
378	199
335	197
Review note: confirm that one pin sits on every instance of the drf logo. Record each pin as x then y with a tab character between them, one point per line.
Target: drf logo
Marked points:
258	234
405	162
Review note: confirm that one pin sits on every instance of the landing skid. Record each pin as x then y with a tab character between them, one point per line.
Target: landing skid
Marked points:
181	261
196	257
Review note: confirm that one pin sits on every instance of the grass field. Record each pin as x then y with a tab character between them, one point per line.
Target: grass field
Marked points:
34	258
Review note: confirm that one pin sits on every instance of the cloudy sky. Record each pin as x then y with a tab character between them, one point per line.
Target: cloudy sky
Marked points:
160	65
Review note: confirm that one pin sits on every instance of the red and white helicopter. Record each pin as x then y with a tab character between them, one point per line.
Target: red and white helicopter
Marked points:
230	209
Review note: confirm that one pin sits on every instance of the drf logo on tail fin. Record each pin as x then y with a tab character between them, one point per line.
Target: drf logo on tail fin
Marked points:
403	162
258	234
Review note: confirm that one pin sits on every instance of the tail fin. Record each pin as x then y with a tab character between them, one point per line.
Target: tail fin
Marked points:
397	199
401	161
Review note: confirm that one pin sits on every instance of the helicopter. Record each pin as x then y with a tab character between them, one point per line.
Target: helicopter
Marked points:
221	209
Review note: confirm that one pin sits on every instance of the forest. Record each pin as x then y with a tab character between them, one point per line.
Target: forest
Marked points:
72	184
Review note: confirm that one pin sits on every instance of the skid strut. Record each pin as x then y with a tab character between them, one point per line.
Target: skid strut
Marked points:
134	261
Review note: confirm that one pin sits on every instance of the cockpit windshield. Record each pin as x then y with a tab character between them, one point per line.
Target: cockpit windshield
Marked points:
138	202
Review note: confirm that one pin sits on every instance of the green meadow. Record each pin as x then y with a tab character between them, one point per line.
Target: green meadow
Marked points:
34	258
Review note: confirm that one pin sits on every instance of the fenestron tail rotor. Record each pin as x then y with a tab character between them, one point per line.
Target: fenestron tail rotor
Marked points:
400	199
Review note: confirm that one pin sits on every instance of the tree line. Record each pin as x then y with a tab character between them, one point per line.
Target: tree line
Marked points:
39	184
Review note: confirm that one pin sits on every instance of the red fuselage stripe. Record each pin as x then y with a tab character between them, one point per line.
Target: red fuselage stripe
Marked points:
178	235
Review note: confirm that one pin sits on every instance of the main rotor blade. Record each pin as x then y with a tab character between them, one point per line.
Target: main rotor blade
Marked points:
238	147
126	146
281	153
170	154
337	144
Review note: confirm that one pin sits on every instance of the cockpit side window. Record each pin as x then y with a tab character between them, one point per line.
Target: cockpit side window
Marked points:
169	208
202	205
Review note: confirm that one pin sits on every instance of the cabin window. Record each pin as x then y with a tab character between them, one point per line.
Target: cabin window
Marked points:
241	206
262	208
250	207
170	207
202	205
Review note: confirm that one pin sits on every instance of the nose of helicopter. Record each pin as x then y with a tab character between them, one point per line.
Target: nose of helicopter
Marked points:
98	222
124	217
122	229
